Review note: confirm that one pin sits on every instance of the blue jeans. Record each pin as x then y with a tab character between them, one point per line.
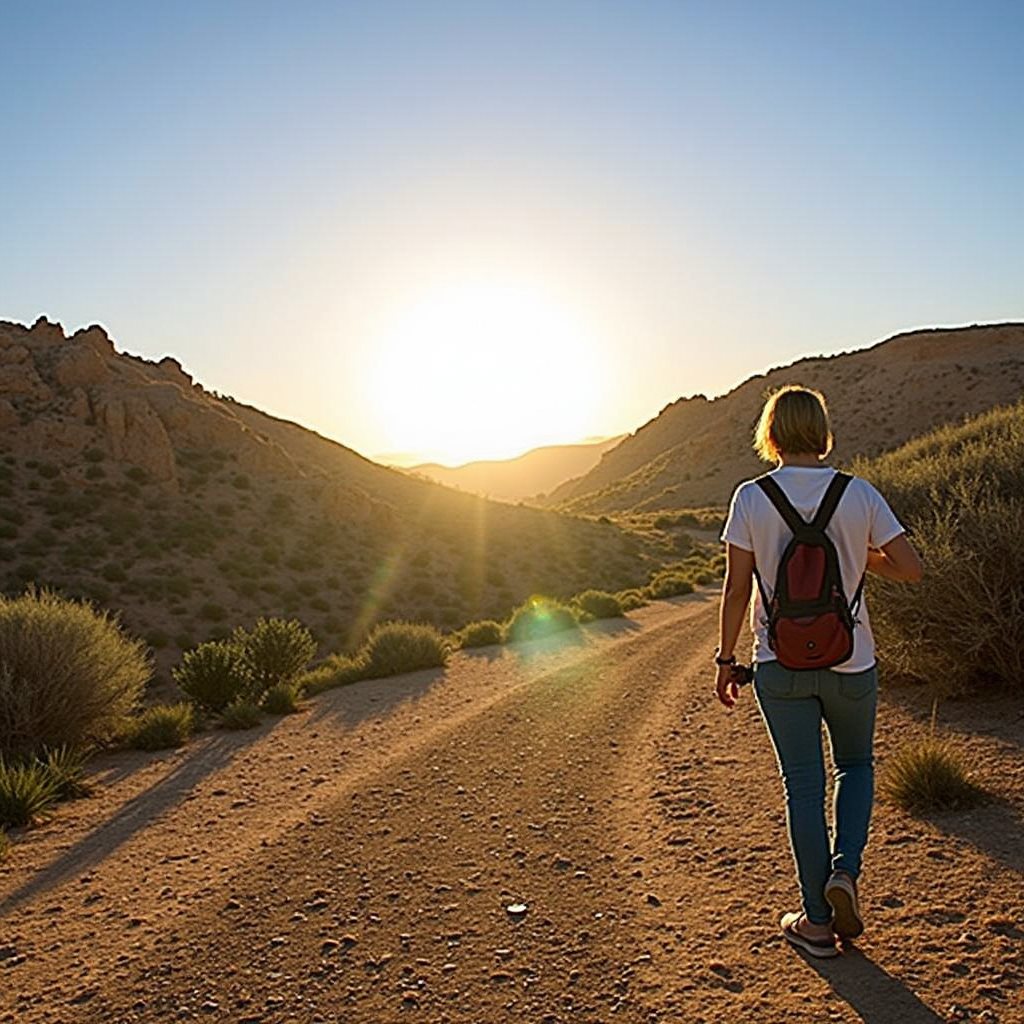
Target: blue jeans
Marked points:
793	705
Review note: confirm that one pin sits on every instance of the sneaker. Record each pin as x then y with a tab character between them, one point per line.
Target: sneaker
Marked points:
841	893
816	947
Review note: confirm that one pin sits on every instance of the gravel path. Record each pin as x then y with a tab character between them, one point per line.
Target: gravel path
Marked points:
357	862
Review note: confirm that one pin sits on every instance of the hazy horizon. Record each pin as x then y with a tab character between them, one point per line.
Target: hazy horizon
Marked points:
462	231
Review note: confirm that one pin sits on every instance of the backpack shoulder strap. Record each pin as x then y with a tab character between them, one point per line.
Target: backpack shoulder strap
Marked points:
778	498
829	503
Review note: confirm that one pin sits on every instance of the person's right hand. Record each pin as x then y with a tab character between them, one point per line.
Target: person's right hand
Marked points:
726	688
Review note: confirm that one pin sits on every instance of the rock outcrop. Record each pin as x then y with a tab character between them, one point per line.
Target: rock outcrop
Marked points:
54	387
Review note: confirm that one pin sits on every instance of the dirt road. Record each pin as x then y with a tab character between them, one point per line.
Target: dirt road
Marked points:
356	863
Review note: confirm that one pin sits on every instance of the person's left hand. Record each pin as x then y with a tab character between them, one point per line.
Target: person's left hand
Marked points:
726	688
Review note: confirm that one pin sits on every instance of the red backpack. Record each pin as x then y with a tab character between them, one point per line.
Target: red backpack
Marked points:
810	622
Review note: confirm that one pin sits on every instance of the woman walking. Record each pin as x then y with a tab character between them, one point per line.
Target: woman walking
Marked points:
808	535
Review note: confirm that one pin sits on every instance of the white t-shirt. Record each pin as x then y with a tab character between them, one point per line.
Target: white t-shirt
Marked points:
862	520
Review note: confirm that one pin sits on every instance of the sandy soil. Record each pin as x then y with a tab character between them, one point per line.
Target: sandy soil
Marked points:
355	863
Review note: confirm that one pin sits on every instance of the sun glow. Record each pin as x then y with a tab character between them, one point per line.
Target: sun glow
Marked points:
484	370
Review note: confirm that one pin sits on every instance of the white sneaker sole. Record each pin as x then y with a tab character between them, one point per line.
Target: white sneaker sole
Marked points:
846	919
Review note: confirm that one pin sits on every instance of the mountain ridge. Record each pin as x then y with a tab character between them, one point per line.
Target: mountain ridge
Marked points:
526	476
696	449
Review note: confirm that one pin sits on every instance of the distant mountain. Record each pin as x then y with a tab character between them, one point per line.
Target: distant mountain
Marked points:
125	481
695	450
533	473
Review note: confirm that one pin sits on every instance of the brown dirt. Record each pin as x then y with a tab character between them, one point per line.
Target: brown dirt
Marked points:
354	863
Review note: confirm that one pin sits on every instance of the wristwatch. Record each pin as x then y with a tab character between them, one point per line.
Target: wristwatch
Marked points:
719	660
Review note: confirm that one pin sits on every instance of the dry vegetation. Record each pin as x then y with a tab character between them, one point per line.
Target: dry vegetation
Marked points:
960	489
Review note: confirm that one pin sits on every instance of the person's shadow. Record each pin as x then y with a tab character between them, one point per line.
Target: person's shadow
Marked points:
875	995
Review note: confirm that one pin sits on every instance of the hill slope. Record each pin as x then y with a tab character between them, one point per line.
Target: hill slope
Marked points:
532	473
696	450
124	481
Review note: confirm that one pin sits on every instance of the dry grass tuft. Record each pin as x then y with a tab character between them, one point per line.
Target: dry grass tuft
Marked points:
929	775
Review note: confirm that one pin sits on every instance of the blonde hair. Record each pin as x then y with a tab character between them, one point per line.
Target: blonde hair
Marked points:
794	420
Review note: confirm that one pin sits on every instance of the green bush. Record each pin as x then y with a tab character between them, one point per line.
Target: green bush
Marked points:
68	674
212	675
241	714
539	616
929	775
161	727
337	670
281	699
66	768
396	647
599	604
481	634
961	489
274	651
668	584
630	599
27	791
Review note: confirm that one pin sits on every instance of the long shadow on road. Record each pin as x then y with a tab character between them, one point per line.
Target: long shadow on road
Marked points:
871	991
135	815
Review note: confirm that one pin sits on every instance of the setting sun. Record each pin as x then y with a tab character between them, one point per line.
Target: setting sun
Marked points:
484	370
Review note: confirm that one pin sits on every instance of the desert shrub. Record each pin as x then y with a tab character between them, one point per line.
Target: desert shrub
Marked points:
66	769
630	599
5	845
241	714
241	481
136	474
281	699
481	634
47	470
161	727
274	651
94	473
929	775
212	675
93	455
395	647
337	670
668	584
27	791
599	604
961	490
539	616
8	531
213	612
68	674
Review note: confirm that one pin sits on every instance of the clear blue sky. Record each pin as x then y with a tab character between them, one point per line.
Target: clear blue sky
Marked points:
709	188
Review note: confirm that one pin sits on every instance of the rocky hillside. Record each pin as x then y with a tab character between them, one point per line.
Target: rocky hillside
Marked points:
695	451
533	473
125	481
